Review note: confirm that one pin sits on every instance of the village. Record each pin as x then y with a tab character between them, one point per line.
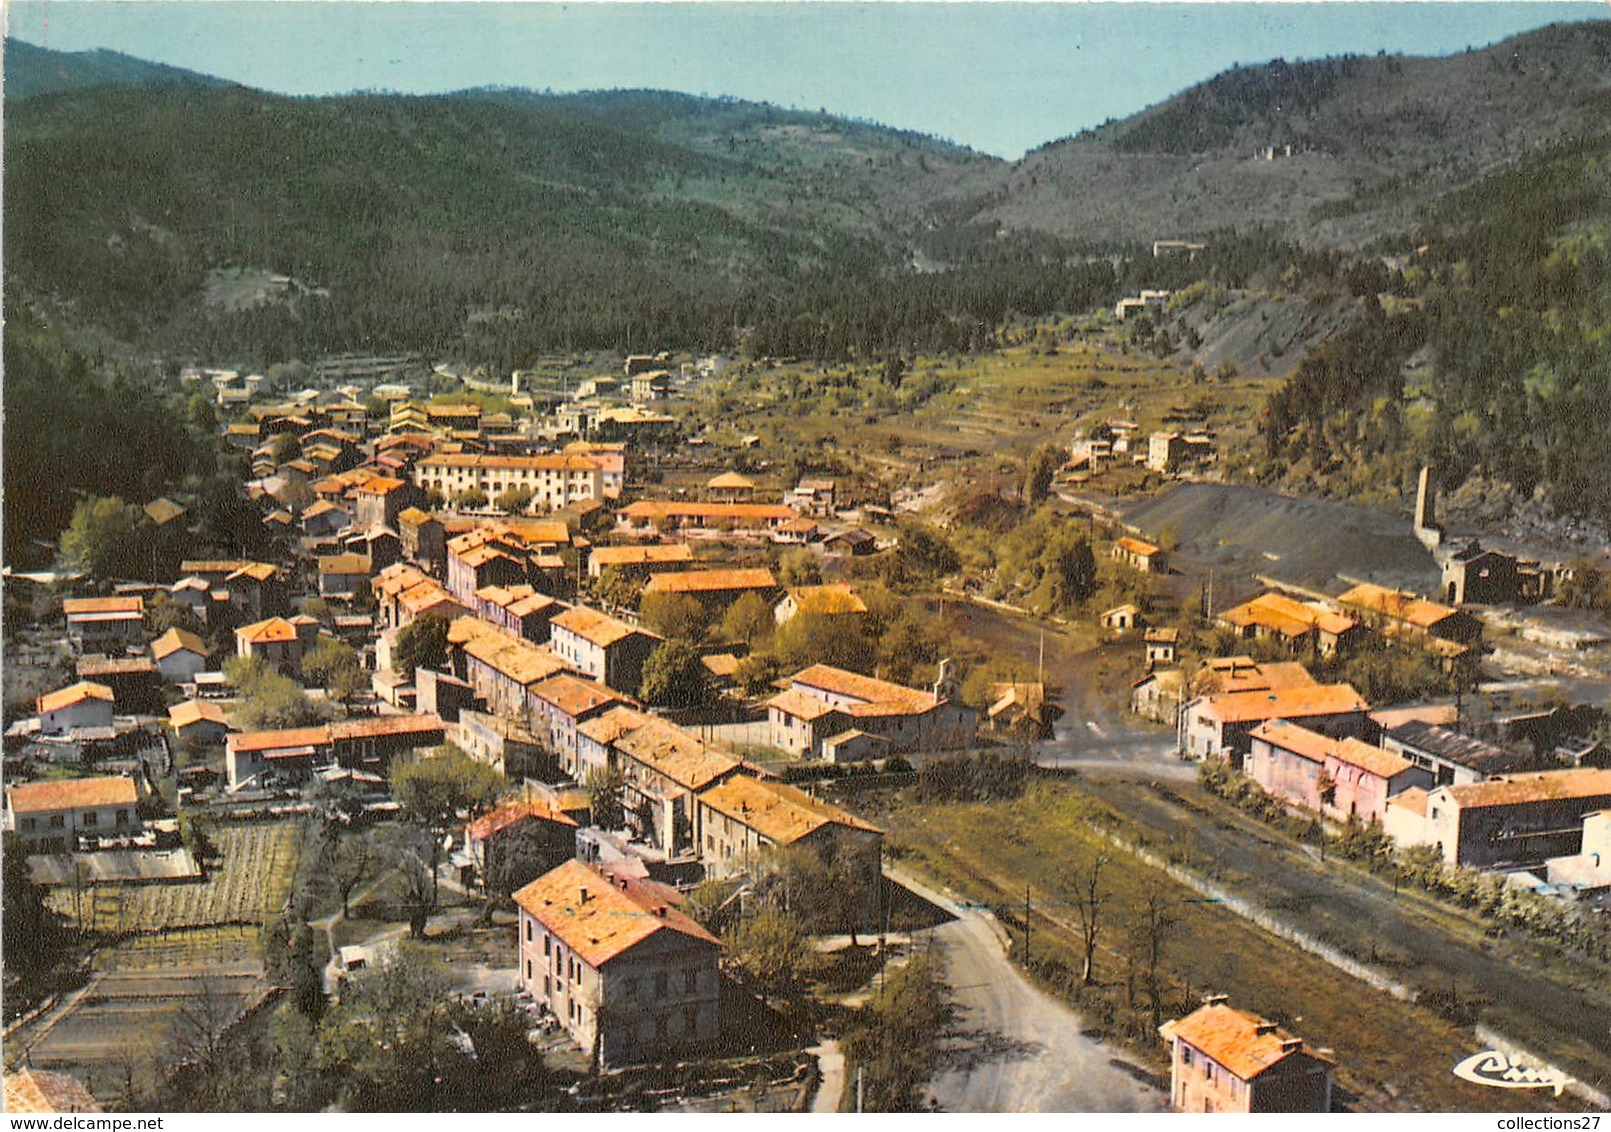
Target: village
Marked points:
551	675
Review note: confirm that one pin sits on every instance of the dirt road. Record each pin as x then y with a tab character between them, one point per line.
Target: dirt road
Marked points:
1017	1049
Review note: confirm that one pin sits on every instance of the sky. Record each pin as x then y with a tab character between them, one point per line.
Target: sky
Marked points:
1000	77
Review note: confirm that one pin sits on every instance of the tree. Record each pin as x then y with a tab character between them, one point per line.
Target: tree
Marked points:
674	676
422	643
436	790
749	619
604	786
1089	899
894	372
1151	925
418	881
32	937
470	498
389	1041
203	416
772	948
514	501
799	567
676	616
895	1038
354	858
815	638
335	667
163	613
615	587
1069	577
1040	471
105	538
267	700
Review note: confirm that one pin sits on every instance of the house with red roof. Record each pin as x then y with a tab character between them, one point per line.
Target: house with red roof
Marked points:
1226	1060
1340	778
49	817
514	844
84	704
1219	725
628	975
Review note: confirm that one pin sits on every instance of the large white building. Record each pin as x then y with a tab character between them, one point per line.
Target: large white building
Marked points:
554	481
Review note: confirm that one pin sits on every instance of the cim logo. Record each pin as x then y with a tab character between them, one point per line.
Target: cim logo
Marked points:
1498	1071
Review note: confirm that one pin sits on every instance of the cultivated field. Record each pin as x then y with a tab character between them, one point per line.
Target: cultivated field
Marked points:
249	881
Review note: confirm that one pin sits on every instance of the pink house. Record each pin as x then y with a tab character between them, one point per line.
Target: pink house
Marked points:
1297	764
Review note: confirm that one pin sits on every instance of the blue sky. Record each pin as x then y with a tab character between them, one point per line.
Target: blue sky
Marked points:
1001	77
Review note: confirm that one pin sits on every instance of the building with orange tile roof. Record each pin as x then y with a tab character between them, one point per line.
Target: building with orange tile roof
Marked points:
730	487
554	481
500	666
822	701
276	642
49	817
1341	778
519	610
648	515
93	620
834	599
561	703
1297	626
84	704
179	655
515	843
35	1090
256	759
1395	613
742	819
1219	725
1509	821
628	976
1140	555
198	722
1227	1060
602	647
664	767
715	589
639	561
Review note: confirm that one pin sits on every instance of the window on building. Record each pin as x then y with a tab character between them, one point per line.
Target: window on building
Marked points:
27	823
662	985
528	931
92	818
528	970
690	980
548	943
57	821
122	818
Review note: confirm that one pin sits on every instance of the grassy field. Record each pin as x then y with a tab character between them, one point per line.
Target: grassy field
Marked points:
250	880
1392	1055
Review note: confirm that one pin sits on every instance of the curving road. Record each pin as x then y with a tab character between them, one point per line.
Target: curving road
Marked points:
1017	1049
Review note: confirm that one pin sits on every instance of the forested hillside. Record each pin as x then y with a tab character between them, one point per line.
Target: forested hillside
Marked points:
494	224
1506	305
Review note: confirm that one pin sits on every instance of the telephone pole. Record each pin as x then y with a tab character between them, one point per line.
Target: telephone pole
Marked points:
1026	924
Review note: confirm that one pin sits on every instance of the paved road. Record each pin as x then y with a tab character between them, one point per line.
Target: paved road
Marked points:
1017	1049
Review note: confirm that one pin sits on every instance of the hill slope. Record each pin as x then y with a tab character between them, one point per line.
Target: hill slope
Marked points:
1373	141
32	70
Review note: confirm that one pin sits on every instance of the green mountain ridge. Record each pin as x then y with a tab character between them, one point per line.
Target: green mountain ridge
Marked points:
32	70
